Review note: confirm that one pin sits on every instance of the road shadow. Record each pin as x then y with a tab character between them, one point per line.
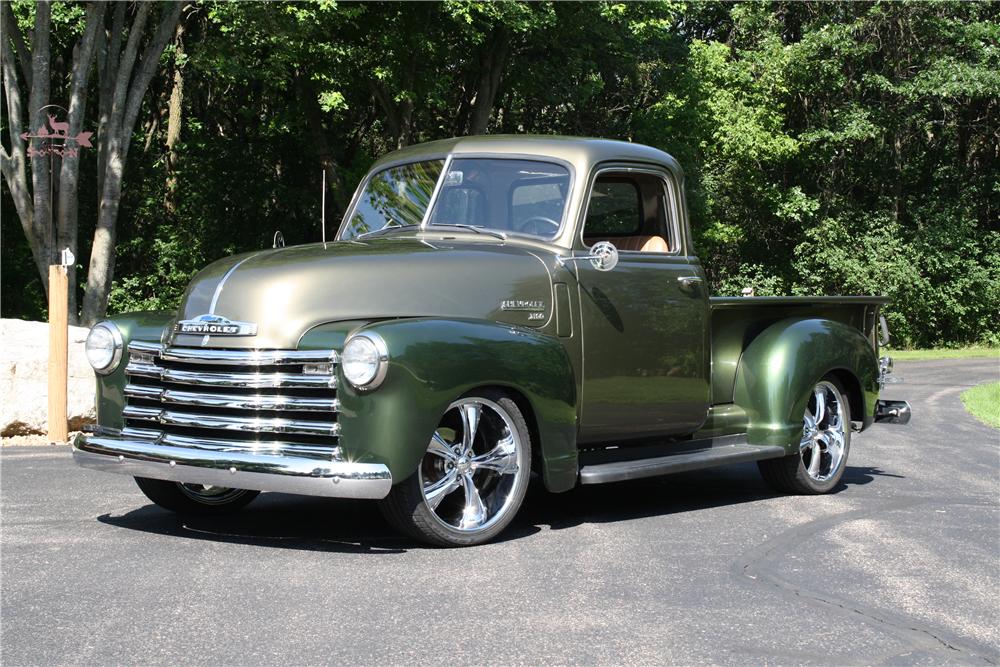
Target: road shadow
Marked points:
348	526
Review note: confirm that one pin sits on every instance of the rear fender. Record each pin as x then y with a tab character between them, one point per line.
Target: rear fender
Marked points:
432	362
778	369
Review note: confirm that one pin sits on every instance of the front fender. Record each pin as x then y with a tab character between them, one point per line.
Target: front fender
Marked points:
778	369
149	326
432	362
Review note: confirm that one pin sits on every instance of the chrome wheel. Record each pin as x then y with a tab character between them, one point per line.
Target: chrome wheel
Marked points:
824	433
472	466
206	494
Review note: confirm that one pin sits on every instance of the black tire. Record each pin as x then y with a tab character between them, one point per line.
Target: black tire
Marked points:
790	474
177	498
407	509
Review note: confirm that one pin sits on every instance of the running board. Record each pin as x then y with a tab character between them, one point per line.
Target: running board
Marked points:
691	455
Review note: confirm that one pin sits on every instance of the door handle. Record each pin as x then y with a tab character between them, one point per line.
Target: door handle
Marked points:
689	281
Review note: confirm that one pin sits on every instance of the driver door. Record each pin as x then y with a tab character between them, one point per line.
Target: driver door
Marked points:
645	322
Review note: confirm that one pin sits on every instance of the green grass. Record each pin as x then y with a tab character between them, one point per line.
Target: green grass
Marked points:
983	402
944	353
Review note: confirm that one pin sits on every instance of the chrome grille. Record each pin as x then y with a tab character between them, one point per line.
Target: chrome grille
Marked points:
267	401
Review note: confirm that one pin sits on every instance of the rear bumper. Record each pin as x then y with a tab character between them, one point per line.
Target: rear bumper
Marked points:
236	469
892	412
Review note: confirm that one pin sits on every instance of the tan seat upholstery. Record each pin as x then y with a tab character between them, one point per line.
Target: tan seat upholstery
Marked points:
636	243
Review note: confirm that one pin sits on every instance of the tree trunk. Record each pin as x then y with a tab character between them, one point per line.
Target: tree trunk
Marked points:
125	105
314	119
14	164
70	170
491	67
40	163
175	120
23	54
106	72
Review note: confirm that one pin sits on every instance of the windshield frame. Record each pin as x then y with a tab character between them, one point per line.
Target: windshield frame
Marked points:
425	225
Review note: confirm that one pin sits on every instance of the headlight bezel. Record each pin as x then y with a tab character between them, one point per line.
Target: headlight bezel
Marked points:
381	355
119	347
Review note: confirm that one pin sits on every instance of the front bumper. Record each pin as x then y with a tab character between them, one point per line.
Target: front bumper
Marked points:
140	457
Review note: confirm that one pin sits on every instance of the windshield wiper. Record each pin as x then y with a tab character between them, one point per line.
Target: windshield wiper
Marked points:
385	230
479	230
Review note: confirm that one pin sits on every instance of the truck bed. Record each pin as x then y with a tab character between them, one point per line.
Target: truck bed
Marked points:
736	321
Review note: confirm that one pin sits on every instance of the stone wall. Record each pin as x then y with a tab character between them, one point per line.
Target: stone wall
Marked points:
24	377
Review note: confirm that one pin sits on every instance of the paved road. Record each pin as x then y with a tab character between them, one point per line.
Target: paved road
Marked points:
900	566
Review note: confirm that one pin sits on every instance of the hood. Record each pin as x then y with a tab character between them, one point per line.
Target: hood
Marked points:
288	291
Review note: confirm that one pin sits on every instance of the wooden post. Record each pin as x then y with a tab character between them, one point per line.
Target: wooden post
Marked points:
58	352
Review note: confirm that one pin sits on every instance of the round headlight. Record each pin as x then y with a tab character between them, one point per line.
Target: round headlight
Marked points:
104	347
365	360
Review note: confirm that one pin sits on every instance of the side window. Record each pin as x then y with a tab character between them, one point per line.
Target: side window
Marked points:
615	209
633	211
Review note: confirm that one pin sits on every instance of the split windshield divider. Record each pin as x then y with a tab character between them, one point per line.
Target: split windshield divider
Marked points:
434	195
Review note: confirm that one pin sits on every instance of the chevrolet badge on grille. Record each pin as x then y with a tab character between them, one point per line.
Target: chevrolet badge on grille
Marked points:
215	325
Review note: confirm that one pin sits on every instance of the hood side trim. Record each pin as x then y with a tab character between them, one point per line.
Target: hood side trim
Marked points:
218	291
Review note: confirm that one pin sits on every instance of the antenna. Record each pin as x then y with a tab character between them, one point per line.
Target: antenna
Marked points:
323	206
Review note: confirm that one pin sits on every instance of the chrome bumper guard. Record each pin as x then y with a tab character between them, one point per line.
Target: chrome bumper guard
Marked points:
892	412
310	476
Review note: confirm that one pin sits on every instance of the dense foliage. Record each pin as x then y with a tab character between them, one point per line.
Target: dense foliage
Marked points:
830	148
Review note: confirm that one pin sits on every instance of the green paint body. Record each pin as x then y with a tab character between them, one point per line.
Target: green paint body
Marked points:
614	358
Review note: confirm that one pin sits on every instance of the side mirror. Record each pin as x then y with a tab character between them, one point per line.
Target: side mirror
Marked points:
883	326
604	255
279	240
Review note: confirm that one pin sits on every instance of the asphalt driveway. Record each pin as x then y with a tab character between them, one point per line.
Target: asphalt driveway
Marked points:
900	565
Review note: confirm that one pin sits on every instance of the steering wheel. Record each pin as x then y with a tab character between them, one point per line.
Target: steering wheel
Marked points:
533	224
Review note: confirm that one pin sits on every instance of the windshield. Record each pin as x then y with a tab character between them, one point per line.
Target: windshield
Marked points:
394	197
503	195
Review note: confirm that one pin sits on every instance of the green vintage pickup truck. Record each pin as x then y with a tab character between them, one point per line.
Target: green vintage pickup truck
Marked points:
492	309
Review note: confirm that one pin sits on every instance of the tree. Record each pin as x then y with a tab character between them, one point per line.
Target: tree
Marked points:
124	78
828	148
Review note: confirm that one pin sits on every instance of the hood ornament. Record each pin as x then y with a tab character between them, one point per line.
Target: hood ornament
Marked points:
215	325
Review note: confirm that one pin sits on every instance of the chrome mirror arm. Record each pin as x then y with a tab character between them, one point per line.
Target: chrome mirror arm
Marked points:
603	256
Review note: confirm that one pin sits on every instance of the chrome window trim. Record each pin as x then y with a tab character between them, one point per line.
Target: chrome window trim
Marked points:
432	202
448	158
668	182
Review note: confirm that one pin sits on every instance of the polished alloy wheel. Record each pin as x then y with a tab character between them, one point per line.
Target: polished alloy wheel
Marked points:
207	494
471	467
824	432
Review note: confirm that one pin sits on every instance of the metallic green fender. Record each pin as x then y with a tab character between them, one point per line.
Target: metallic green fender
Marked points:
779	367
432	362
148	326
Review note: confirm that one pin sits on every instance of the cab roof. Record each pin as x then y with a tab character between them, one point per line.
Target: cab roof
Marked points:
582	152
